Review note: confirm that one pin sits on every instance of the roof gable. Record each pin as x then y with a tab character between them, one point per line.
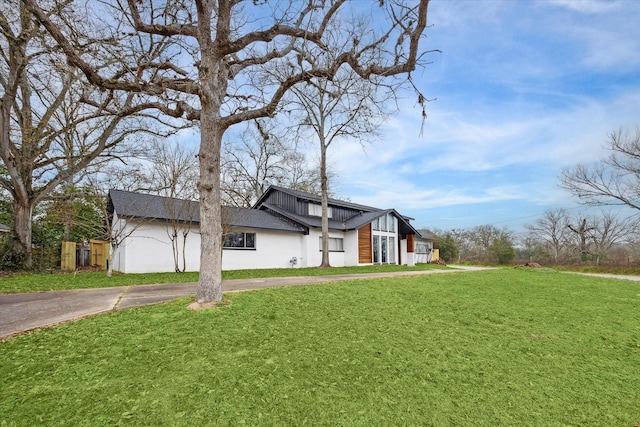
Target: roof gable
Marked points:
360	214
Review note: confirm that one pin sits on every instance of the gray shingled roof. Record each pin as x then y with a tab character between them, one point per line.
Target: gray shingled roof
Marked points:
157	208
304	220
150	207
353	223
429	235
253	218
4	228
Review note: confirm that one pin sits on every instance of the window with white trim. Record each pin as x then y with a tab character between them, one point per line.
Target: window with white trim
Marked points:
422	248
391	223
239	241
316	210
383	222
336	244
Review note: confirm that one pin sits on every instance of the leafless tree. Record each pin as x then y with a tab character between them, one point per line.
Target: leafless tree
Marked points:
172	169
610	230
220	71
53	125
182	215
582	230
344	107
614	180
265	154
174	174
552	230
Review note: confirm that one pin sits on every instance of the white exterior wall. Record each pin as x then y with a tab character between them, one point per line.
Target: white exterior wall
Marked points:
273	250
350	248
147	249
314	254
424	257
403	251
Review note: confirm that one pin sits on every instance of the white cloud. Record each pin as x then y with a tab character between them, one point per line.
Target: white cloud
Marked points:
588	6
522	95
607	41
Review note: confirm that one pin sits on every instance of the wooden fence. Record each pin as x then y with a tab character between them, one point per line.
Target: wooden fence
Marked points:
75	256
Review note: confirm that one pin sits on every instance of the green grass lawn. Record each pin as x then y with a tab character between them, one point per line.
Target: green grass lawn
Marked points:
508	347
53	282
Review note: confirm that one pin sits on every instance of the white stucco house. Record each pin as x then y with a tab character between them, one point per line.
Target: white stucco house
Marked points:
282	230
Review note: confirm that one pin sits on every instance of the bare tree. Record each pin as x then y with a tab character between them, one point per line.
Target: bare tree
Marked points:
609	231
174	173
552	230
582	230
343	107
182	215
223	61
265	154
53	125
614	180
304	174
172	169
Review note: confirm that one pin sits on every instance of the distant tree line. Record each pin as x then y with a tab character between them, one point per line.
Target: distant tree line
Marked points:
557	238
561	237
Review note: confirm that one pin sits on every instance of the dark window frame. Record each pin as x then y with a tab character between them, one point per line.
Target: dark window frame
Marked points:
244	241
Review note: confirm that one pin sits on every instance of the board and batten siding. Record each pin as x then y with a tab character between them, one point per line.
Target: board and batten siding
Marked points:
365	252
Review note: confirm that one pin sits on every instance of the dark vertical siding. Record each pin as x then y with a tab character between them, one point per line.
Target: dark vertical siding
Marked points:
283	200
343	214
300	206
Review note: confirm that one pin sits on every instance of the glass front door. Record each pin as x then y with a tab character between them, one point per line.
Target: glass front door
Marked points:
376	251
383	252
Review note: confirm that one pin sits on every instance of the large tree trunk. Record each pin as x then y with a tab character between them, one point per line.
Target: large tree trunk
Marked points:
213	78
210	282
22	227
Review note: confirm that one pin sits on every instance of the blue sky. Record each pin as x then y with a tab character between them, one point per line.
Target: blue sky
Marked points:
524	90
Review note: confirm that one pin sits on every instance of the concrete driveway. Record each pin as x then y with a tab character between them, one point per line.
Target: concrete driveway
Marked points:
27	311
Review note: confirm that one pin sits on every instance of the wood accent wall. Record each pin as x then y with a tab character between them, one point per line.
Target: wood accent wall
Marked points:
411	243
365	252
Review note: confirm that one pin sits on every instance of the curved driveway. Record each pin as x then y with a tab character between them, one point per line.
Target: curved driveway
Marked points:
23	312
